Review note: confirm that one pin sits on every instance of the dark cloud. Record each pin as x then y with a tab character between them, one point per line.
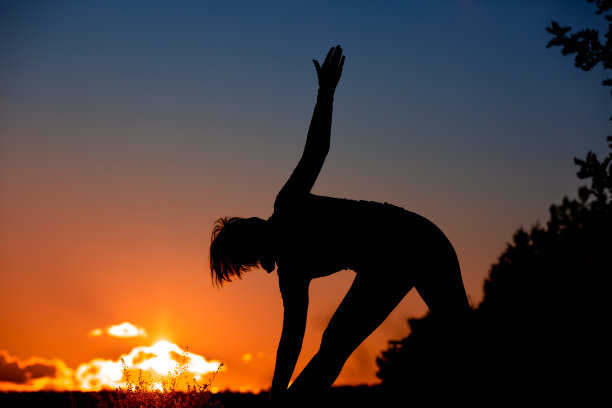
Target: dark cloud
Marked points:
39	370
19	372
10	370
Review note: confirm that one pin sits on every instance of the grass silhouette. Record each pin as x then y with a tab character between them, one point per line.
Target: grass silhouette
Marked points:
150	389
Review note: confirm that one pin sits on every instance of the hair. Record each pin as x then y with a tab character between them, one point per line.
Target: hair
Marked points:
232	248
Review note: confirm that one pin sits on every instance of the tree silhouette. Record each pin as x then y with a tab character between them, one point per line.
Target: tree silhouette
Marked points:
563	270
544	323
585	43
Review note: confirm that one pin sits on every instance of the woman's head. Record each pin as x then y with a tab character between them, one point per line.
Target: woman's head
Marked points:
235	247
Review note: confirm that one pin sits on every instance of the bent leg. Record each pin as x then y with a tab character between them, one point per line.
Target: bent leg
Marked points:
442	290
366	305
446	339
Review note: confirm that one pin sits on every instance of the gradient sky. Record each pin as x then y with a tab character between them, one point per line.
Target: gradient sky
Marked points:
127	128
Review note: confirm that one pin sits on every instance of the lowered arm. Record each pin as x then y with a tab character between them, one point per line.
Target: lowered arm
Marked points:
295	303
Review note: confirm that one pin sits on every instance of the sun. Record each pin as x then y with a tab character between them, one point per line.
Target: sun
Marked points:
159	360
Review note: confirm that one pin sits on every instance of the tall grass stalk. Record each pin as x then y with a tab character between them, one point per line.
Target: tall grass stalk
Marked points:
149	389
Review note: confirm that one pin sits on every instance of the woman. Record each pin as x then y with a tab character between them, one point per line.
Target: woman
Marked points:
390	249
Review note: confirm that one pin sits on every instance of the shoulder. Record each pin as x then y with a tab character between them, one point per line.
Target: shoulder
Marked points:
288	200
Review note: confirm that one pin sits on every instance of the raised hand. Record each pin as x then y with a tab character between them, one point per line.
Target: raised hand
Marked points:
329	73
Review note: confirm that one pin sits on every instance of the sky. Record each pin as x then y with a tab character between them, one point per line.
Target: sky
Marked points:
128	128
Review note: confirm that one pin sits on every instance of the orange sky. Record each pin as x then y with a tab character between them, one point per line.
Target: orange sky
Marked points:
87	259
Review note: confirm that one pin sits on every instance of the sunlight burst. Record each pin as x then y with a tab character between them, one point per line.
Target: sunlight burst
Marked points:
161	358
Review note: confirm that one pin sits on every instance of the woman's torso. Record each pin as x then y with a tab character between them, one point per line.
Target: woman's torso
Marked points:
318	236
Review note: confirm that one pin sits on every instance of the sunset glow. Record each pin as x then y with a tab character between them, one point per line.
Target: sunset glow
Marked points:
161	358
157	360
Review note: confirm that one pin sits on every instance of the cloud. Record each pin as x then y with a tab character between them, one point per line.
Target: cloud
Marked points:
123	330
159	359
156	361
34	374
163	357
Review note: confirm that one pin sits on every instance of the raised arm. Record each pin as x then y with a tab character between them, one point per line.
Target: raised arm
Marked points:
317	142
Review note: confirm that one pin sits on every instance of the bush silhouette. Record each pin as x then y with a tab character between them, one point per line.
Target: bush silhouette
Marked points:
544	323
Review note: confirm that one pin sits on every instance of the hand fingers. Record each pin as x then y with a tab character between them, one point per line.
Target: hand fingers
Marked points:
329	55
337	59
336	55
334	60
317	66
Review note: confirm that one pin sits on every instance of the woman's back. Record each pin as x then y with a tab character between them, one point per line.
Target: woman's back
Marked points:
330	234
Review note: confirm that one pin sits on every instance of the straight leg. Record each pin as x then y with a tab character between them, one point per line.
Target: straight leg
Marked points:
366	305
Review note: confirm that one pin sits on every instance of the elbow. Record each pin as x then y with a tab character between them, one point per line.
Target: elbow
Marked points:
318	148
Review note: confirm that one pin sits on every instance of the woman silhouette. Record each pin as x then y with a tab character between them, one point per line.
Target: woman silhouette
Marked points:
390	249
